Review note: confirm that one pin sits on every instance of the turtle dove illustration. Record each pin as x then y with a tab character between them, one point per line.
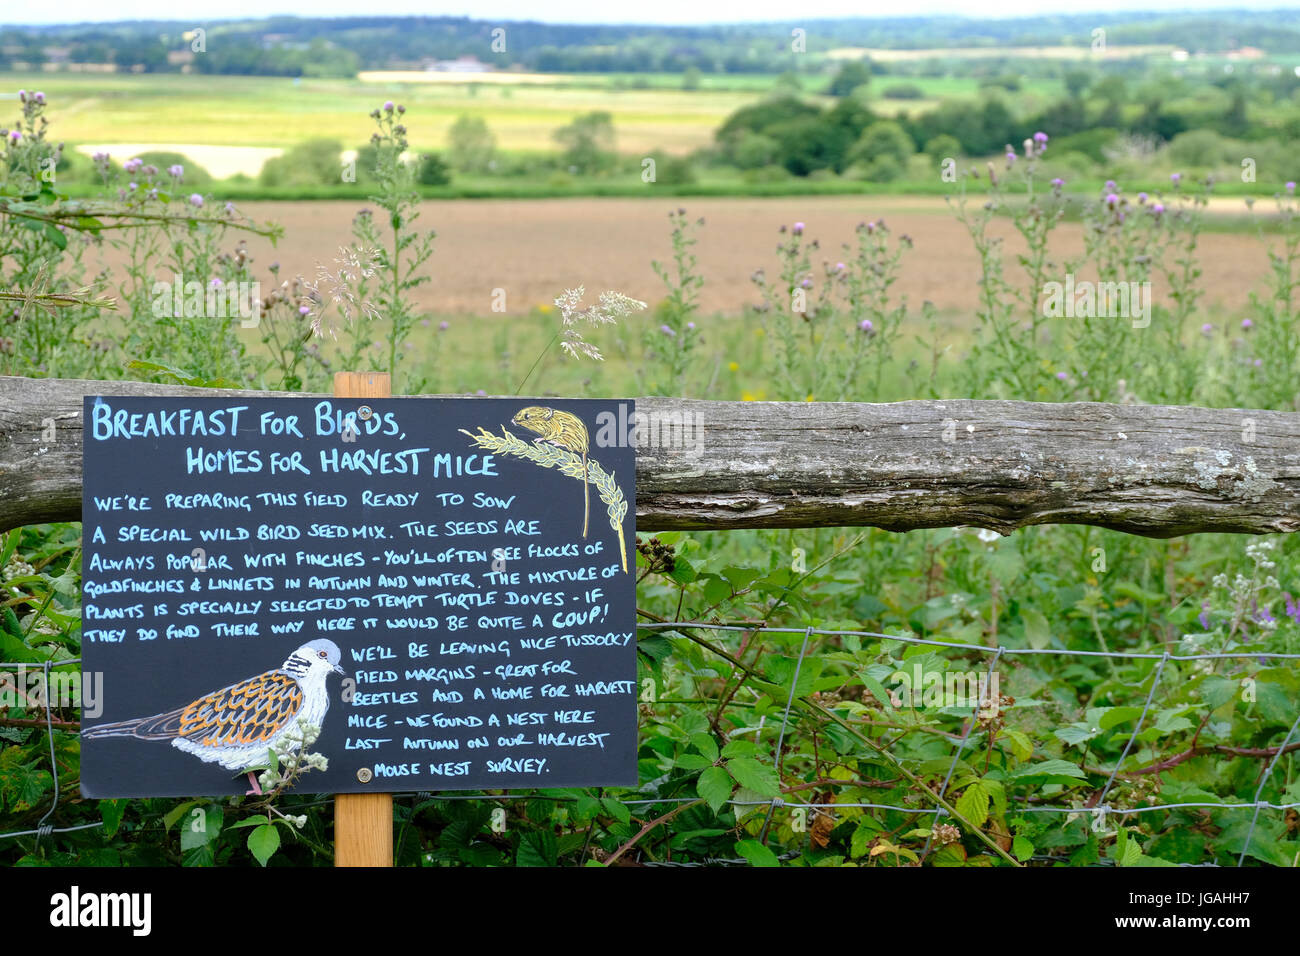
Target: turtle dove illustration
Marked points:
235	726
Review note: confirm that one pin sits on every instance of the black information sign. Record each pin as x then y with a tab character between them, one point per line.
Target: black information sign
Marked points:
444	588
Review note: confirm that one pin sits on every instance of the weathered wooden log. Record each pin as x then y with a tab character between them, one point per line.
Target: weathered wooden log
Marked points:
1151	470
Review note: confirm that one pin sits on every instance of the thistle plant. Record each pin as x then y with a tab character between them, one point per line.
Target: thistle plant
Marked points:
669	345
402	249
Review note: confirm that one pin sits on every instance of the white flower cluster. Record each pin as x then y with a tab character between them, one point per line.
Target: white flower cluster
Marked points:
607	311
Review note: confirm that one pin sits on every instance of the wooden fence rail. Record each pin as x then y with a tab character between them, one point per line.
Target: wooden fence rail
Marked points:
1151	470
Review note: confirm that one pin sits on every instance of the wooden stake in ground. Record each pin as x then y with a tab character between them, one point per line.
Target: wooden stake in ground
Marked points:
363	822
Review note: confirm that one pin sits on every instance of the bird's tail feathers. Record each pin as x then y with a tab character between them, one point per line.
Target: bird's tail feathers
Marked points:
157	727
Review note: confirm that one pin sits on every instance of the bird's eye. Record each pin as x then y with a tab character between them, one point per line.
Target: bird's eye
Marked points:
323	654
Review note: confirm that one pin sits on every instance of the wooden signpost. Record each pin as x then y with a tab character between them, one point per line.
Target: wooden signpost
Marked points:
444	588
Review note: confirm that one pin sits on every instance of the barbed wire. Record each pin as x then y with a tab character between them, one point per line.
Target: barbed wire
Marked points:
1100	810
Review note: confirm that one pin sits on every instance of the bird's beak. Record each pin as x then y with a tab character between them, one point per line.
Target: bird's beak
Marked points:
340	670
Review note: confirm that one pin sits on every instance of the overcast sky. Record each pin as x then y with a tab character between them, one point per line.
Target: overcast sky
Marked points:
576	11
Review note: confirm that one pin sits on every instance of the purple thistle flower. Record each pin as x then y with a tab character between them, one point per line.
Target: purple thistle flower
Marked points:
1175	178
1011	157
15	136
1110	186
215	283
1290	187
1158	208
1292	608
388	106
1111	199
133	164
690	326
304	309
1207	328
443	326
1061	376
176	171
196	200
1058	182
806	284
798	229
667	330
1040	137
865	325
1247	324
1142	197
39	97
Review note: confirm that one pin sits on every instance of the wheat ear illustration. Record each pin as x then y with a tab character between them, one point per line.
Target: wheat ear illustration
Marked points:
550	456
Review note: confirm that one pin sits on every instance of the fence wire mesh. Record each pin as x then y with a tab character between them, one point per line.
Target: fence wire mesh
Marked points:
1100	809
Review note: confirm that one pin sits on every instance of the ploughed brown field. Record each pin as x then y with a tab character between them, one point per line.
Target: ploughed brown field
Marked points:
534	249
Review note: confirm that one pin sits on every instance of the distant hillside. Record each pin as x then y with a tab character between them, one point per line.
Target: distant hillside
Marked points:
304	46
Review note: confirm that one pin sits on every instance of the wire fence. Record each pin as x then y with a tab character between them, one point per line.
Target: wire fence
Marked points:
1100	810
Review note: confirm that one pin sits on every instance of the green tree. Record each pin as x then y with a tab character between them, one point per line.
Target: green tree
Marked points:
588	142
313	162
471	147
851	76
882	151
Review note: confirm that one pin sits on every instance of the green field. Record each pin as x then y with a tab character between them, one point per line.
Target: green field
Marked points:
279	112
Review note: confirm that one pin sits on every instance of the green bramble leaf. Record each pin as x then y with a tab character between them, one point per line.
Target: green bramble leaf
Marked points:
974	803
714	785
751	774
756	853
263	842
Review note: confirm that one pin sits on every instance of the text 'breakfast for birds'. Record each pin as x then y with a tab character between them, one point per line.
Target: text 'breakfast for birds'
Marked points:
439	589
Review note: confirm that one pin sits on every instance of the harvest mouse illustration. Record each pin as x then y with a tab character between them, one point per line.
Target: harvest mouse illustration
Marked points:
564	431
235	726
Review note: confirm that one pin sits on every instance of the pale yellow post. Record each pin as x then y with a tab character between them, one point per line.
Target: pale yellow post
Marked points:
363	822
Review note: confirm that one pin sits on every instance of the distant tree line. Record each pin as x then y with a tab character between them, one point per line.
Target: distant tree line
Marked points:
304	46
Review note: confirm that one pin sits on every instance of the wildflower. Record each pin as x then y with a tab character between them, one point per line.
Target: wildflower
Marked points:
798	229
215	283
733	366
1247	324
304	309
1292	608
1158	208
400	109
1057	183
133	165
1061	376
1207	328
1259	363
196	200
1040	138
667	330
1204	617
866	326
1011	157
22	96
1290	187
987	536
15	135
480	392
806	284
690	326
1112	199
39	97
388	106
839	267
176	172
1175	178
443	326
1110	186
1142	197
